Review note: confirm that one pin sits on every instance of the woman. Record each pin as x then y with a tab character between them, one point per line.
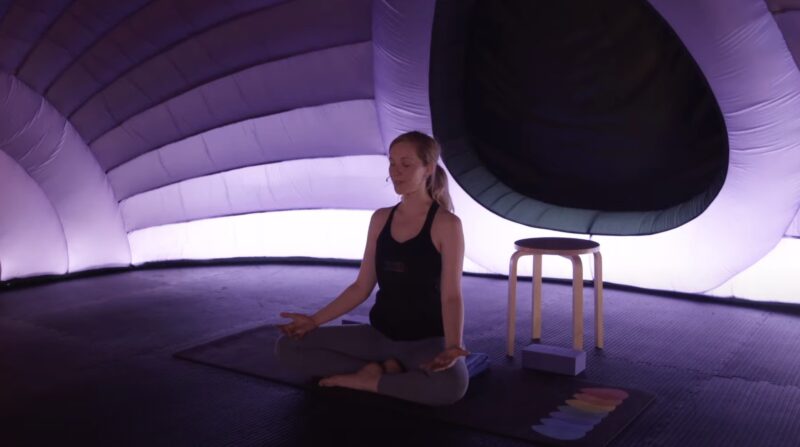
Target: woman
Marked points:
413	347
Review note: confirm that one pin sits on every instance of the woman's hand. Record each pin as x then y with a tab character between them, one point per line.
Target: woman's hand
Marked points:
445	359
301	325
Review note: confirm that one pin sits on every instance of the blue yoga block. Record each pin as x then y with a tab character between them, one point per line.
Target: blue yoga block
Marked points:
477	362
554	359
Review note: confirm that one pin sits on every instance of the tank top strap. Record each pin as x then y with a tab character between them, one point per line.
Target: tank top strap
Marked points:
429	219
391	216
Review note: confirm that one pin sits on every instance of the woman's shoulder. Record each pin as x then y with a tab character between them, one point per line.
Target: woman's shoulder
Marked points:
380	216
382	213
385	210
446	220
446	229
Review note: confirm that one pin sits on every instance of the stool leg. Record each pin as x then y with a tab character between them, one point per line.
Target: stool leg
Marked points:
512	301
577	303
536	304
598	300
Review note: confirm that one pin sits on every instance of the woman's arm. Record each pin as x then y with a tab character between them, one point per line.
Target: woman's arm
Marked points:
450	237
357	292
452	250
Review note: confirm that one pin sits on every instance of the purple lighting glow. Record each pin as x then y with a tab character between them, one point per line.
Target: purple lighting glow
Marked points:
232	134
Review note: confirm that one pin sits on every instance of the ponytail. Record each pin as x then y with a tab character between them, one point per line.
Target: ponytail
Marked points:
437	189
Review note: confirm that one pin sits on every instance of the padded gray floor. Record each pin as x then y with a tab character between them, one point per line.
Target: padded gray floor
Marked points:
88	361
776	338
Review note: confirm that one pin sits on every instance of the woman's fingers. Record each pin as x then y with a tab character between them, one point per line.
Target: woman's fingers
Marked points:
298	319
444	360
457	351
437	364
299	325
444	366
291	315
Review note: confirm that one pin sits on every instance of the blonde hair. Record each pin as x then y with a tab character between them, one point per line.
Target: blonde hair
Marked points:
428	151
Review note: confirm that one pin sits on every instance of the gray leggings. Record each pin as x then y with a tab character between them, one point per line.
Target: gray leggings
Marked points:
330	350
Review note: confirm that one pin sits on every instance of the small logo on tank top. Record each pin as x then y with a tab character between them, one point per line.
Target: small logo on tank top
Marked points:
394	266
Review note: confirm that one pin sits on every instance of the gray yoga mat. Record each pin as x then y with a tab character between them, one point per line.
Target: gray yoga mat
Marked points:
504	400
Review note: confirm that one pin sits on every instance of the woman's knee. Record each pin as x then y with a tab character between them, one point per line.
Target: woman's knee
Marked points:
287	349
455	387
449	387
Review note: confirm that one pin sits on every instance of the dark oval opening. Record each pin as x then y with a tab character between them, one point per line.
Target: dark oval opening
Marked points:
576	116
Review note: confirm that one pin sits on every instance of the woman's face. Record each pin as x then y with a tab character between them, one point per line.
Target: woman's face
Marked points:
406	170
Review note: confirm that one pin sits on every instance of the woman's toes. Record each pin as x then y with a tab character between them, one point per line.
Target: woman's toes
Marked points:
392	366
371	369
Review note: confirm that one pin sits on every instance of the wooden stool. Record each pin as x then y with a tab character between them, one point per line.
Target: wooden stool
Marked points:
568	248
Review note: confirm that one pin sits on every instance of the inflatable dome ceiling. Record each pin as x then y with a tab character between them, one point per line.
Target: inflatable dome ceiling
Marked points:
160	130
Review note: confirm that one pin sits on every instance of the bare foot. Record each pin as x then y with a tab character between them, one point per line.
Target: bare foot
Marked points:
392	366
365	379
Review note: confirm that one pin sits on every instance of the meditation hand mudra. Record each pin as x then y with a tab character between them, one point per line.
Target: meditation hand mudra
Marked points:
413	348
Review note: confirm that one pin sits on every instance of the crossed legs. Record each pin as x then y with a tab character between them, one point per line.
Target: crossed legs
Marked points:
360	357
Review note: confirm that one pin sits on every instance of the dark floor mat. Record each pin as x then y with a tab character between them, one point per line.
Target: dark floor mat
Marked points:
771	354
764	415
506	400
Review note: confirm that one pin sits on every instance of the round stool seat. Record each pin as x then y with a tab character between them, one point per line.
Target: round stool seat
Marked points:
563	246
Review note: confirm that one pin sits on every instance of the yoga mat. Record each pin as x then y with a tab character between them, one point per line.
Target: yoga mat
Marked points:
505	400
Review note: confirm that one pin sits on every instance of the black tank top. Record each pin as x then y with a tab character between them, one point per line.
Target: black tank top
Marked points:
408	303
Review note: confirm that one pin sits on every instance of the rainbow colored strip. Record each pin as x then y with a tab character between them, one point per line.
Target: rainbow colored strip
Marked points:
581	414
